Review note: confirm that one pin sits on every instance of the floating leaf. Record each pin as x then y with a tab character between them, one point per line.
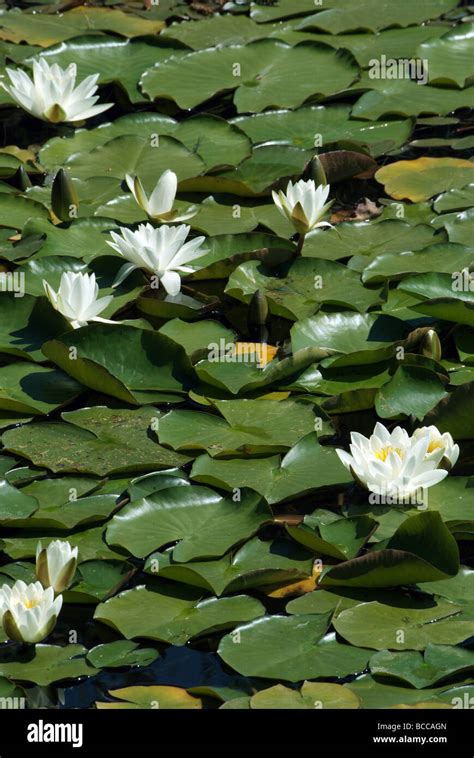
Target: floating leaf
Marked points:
45	30
175	616
299	290
121	653
424	177
244	426
408	627
50	663
205	523
151	697
273	74
255	564
290	648
93	440
422	549
438	664
150	364
312	695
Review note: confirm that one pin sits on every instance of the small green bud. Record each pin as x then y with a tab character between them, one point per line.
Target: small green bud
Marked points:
21	179
258	310
64	201
317	171
431	346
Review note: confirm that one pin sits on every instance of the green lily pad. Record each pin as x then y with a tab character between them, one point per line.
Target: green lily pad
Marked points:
364	241
404	628
245	427
255	473
95	580
406	98
263	169
299	127
438	664
93	440
50	663
444	258
85	510
45	30
373	16
290	648
307	467
421	549
212	138
205	523
174	616
34	389
455	199
459	226
413	390
375	694
121	653
359	338
84	239
283	83
326	533
458	588
150	365
393	43
17	210
299	290
90	543
132	154
197	336
255	564
454	412
312	695
25	324
449	59
15	504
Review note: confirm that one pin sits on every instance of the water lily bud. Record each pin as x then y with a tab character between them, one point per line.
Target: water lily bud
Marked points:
28	612
317	171
56	564
431	346
21	179
64	200
257	313
159	206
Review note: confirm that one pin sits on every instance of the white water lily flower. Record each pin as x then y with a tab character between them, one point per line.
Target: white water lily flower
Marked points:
56	564
52	96
160	203
437	442
391	464
76	298
163	252
28	612
304	204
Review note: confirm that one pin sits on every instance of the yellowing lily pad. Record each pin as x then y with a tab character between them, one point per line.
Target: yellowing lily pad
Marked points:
424	177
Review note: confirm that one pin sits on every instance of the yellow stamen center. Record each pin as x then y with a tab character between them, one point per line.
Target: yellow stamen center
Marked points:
30	603
434	445
384	452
